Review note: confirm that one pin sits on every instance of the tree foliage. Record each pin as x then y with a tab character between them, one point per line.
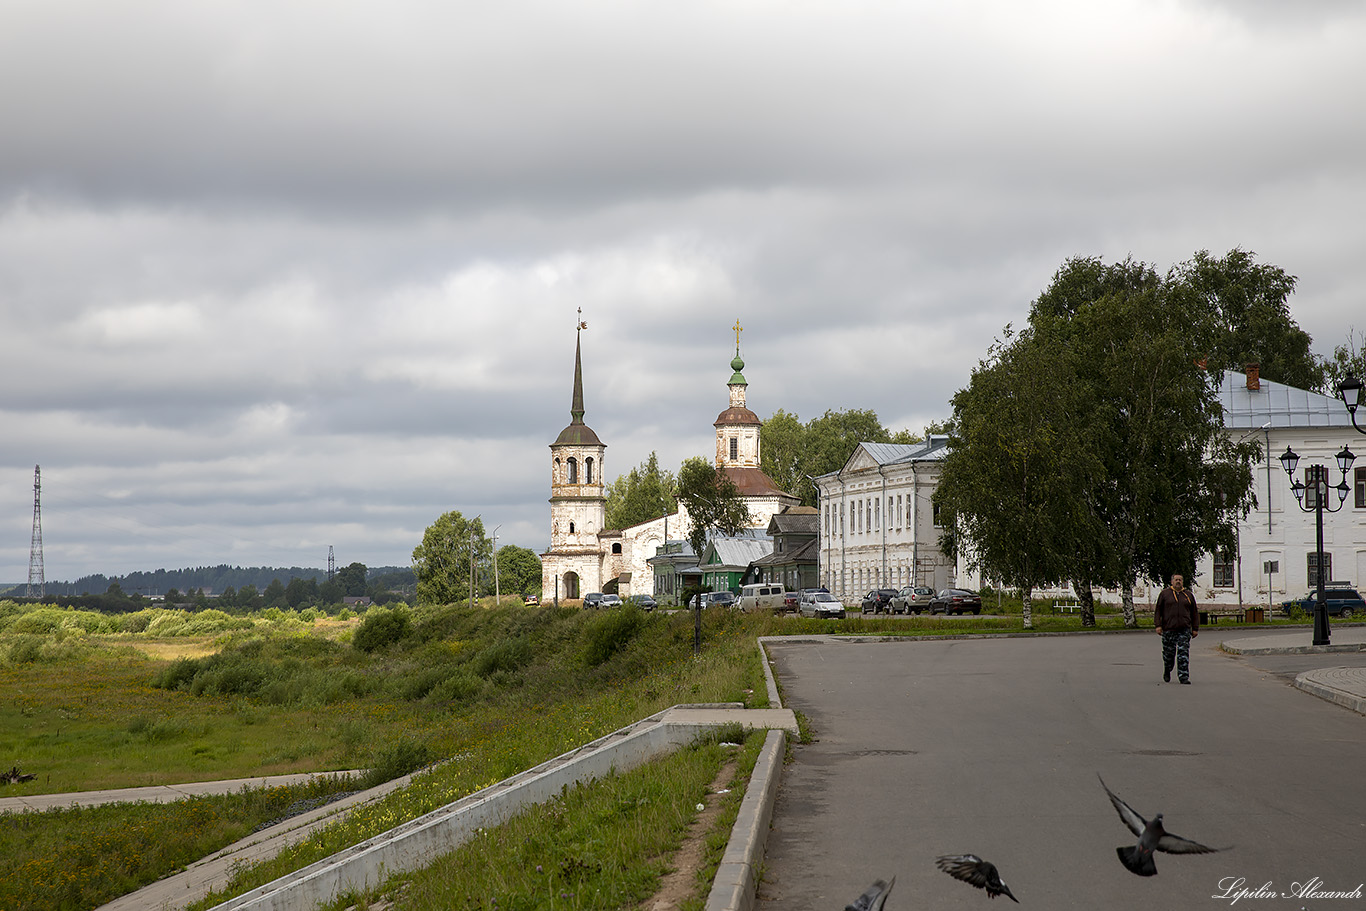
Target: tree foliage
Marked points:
1349	357
352	579
1090	447
712	501
519	570
646	492
794	452
442	561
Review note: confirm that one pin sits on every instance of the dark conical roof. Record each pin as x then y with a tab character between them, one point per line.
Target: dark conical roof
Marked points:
577	433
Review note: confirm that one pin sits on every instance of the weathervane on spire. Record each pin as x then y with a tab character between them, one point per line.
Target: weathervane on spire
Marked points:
582	324
738	329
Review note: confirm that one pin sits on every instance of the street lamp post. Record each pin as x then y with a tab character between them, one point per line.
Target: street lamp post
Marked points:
1349	390
1311	497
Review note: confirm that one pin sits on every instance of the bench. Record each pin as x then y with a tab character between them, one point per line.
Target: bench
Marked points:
1212	618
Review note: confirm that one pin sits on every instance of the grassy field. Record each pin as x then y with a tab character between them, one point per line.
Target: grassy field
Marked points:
91	701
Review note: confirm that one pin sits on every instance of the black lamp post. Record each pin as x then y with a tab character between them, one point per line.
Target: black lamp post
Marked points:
1349	390
1311	497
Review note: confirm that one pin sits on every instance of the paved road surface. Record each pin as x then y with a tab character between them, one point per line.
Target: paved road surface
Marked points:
993	746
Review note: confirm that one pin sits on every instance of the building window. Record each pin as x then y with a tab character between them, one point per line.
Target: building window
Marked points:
573	471
734	449
571	528
1223	569
898	511
1360	488
588	470
937	522
616	548
1313	567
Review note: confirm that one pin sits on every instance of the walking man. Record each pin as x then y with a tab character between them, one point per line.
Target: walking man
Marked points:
1177	621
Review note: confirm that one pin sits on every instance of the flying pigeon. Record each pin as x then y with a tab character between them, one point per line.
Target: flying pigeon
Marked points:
1138	859
974	871
874	898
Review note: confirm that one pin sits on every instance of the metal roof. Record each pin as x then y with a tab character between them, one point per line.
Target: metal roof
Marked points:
1278	405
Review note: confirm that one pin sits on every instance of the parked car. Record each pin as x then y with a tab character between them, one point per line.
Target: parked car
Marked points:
715	599
956	601
822	605
592	599
610	600
912	599
878	600
791	600
1340	602
531	600
644	602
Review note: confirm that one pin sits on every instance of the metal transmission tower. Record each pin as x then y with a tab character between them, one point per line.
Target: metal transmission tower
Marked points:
331	563
37	583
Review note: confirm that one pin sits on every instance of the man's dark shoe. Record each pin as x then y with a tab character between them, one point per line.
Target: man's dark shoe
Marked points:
1186	681
1166	676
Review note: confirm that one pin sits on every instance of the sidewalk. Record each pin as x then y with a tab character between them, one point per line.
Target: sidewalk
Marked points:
1345	686
156	793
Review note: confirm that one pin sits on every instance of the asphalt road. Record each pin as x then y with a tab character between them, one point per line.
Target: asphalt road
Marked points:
992	746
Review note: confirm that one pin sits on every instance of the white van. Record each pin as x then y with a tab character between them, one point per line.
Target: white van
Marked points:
761	596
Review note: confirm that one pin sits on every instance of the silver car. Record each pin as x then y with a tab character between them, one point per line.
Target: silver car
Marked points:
822	605
912	599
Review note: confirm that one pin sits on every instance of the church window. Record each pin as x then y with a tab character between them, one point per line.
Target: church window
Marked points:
573	470
558	467
616	548
588	470
571	524
734	449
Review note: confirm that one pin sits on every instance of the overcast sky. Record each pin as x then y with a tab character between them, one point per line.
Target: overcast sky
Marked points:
280	276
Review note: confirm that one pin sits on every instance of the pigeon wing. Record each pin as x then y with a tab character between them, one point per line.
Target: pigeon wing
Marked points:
969	868
1175	844
874	898
1126	813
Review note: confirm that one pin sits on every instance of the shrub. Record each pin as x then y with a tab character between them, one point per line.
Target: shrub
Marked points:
398	759
610	632
508	655
379	629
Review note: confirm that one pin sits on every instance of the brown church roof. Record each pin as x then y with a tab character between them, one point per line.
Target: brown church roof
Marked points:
736	416
752	482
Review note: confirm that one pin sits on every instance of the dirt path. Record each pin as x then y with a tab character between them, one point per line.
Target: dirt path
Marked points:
678	885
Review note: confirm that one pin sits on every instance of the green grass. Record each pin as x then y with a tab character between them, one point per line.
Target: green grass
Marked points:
601	845
81	857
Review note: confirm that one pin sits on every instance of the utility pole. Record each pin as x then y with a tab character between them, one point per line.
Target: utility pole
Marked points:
497	591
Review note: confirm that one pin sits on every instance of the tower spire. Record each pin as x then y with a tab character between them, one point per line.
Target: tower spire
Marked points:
576	406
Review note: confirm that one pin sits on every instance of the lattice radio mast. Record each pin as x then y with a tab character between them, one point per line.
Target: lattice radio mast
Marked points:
331	563
37	583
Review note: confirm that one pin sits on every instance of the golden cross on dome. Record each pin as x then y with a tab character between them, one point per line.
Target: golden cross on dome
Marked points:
738	329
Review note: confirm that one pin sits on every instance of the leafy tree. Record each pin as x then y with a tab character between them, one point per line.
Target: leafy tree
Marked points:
442	561
274	595
229	597
794	452
248	599
352	579
331	592
301	591
1347	357
519	570
712	501
1010	484
1246	305
644	493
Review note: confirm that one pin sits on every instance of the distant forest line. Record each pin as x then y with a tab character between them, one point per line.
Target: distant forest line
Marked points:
213	580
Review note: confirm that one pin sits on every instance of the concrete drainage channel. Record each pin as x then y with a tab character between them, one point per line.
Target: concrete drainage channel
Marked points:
418	842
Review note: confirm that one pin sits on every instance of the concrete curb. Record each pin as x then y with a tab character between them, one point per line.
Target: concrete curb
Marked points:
158	793
737	878
419	841
1232	649
1319	682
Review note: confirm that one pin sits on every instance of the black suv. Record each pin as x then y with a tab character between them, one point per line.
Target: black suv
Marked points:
1340	602
878	600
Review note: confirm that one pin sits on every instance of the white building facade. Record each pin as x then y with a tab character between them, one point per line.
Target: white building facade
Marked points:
877	525
1277	532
